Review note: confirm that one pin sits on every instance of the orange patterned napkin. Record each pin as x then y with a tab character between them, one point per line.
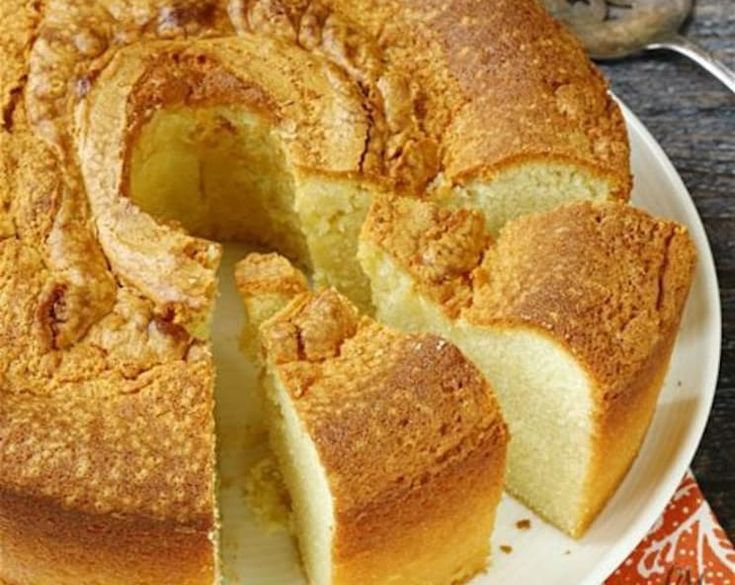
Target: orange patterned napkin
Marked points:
686	546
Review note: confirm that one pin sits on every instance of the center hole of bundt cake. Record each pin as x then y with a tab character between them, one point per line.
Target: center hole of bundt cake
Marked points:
219	172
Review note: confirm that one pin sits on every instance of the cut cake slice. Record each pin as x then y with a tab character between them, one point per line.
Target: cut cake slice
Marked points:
391	445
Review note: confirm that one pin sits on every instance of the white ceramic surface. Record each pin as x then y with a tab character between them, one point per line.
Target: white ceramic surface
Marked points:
541	555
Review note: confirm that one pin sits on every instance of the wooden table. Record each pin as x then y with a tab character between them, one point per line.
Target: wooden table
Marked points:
693	118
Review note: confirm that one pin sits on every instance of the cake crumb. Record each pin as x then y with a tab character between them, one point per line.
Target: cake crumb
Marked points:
523	524
506	549
266	495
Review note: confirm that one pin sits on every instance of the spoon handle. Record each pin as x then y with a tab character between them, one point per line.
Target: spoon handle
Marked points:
699	55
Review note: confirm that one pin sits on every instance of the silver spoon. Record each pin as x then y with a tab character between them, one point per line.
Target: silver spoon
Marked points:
612	29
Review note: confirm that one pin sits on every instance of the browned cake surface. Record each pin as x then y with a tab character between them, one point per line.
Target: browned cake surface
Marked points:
501	83
50	545
457	85
608	279
121	424
268	274
355	382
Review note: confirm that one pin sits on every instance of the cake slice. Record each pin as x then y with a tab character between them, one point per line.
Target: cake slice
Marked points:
391	445
571	315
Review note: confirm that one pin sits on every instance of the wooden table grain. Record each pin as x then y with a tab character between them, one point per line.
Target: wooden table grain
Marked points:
693	118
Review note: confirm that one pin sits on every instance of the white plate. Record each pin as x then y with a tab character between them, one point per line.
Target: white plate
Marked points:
541	555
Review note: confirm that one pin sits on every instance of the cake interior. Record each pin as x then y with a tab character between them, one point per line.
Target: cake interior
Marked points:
529	188
302	472
306	480
332	212
547	401
545	397
221	173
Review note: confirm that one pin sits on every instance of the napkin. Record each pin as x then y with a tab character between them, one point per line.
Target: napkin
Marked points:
686	546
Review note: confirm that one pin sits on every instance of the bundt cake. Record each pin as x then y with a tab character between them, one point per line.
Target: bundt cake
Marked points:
391	444
571	314
135	134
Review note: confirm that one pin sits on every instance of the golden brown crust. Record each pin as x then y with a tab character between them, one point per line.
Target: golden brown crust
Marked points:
352	385
20	19
464	63
268	274
607	279
452	513
311	328
501	86
544	94
111	444
68	418
47	211
46	544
